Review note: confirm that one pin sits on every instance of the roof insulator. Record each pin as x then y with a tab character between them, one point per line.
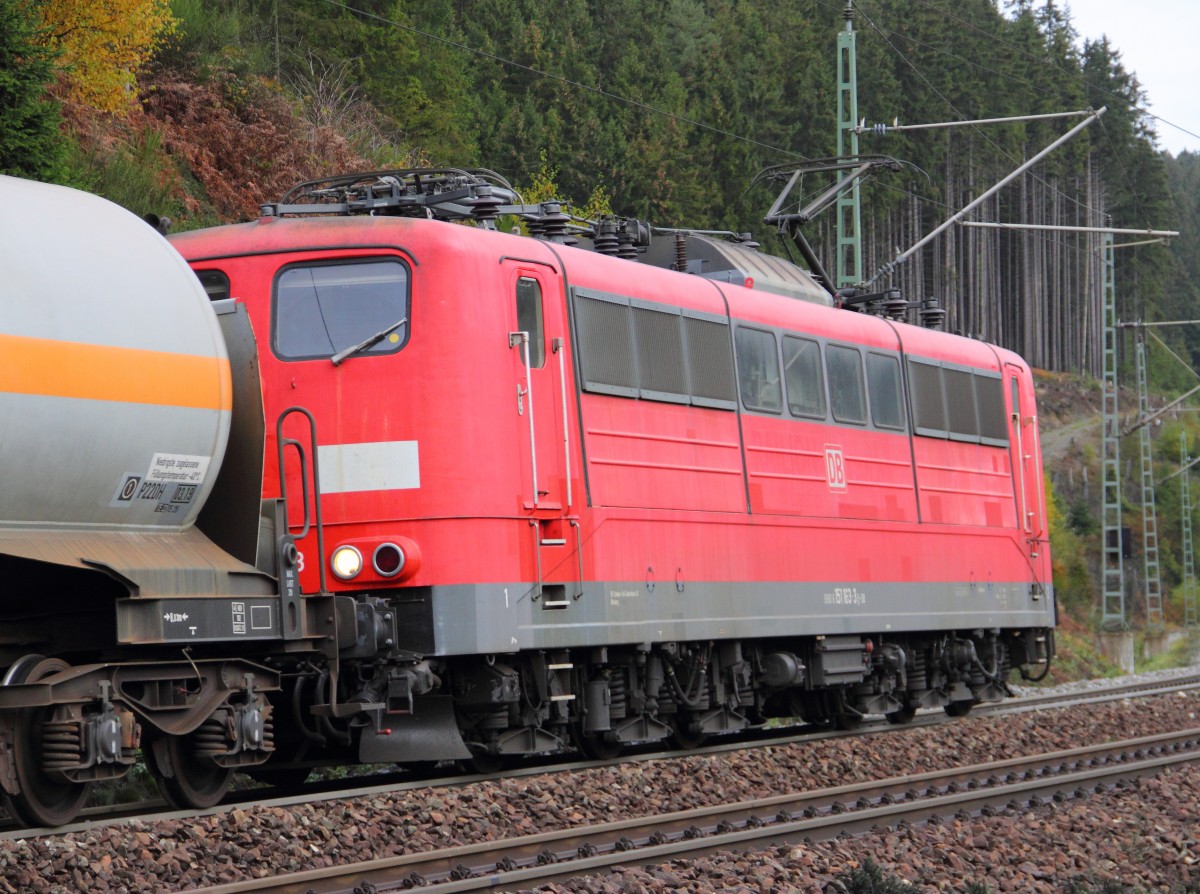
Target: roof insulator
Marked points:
485	204
932	316
606	241
553	223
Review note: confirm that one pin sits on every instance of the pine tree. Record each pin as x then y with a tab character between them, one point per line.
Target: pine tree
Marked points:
31	143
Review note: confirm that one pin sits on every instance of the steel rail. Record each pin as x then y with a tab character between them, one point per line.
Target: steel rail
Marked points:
1108	693
537	859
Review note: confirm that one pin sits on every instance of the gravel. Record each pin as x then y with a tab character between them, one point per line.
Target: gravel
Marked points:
1144	836
1160	676
1140	838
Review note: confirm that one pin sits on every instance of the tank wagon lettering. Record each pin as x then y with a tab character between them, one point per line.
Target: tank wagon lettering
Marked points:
151	490
129	488
178	468
846	596
184	493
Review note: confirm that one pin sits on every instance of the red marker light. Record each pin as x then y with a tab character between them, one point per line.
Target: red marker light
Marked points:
388	560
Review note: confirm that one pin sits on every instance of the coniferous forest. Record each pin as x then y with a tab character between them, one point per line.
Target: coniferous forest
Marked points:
662	111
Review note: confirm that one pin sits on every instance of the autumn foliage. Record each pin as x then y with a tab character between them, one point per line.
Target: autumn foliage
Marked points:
241	140
102	45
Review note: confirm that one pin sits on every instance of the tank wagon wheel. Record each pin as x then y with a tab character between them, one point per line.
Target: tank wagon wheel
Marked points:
188	780
686	734
285	778
46	799
962	707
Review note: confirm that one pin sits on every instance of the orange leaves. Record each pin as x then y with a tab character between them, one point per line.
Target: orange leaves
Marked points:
102	44
241	139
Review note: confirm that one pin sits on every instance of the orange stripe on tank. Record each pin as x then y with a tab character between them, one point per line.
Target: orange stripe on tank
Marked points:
53	368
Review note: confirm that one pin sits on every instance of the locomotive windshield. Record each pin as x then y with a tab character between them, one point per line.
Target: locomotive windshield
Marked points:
323	309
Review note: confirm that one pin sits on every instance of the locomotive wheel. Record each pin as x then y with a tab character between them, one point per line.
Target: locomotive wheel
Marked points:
485	763
189	781
597	748
44	800
847	721
686	734
841	715
961	708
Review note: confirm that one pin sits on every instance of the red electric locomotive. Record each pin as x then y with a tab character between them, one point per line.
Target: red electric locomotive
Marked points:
518	495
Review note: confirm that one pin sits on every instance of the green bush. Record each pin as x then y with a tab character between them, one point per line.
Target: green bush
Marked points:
137	175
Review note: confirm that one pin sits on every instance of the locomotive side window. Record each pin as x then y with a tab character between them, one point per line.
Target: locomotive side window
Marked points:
957	403
993	422
321	309
758	370
709	362
529	319
883	385
215	282
846	396
606	346
659	339
654	351
929	410
804	377
961	418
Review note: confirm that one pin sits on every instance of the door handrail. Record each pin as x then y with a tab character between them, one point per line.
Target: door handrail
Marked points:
522	338
315	516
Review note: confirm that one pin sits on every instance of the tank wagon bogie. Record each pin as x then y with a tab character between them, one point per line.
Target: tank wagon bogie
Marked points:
411	491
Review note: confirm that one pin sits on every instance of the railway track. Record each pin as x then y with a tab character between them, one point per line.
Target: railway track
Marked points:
382	783
537	859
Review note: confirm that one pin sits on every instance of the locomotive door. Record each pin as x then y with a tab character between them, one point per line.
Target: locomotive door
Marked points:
1023	444
537	341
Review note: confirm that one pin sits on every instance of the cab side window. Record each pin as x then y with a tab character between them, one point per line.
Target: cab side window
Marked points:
321	309
215	282
529	319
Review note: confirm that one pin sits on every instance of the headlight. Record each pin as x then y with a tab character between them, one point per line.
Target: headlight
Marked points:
346	562
388	560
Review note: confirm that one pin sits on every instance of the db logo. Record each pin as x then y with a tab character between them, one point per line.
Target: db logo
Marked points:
835	467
